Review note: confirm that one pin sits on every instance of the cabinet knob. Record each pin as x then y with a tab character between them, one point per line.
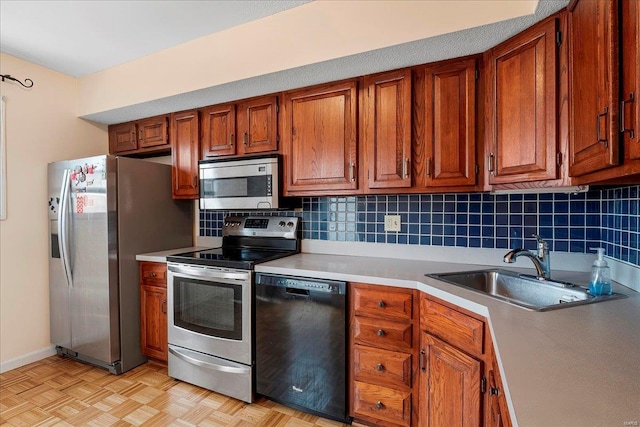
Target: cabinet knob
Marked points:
494	391
380	333
381	304
380	367
379	405
152	274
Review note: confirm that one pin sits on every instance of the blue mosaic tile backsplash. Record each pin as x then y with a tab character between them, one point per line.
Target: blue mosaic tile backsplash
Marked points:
569	222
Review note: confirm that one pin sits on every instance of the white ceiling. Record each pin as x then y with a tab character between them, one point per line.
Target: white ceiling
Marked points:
81	37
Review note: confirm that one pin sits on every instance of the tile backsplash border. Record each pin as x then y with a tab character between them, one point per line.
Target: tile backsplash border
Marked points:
571	223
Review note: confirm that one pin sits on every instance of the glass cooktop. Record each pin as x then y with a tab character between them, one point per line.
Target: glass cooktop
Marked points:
241	258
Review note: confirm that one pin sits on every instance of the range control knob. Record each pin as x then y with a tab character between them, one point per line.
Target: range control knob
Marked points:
281	224
290	224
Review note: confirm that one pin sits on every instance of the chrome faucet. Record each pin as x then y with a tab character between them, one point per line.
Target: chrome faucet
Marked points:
541	260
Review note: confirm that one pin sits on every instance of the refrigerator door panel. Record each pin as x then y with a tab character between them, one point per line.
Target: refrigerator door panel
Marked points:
93	292
59	290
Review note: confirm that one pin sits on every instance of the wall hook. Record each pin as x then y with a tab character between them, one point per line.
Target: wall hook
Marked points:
27	82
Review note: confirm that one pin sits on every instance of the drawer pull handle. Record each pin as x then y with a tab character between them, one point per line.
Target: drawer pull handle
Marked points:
381	304
380	367
379	405
381	333
152	274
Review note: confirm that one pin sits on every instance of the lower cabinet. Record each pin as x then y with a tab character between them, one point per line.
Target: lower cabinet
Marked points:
153	309
383	353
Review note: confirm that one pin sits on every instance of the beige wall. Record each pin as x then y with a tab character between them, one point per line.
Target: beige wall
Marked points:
42	126
312	33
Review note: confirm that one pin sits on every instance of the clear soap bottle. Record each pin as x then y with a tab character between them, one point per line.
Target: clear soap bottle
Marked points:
600	283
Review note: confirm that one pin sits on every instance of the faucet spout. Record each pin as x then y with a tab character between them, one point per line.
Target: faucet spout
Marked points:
511	257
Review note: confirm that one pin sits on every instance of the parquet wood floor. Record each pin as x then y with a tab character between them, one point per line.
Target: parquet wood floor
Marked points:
57	391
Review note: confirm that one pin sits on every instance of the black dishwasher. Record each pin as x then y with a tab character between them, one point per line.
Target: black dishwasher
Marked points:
301	343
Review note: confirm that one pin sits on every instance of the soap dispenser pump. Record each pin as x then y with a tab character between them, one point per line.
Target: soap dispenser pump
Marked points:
600	283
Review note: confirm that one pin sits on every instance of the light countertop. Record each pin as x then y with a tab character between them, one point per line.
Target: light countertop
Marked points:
161	256
577	366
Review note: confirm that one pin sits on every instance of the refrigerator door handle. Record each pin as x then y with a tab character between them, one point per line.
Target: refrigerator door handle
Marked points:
63	227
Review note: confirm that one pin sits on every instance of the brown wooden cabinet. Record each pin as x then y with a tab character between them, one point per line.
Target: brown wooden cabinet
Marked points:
153	309
146	136
387	129
593	67
452	355
383	349
450	124
449	385
613	155
319	140
237	129
185	154
497	412
521	106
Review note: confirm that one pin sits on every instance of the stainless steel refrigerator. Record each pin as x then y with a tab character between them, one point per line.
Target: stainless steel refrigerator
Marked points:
102	212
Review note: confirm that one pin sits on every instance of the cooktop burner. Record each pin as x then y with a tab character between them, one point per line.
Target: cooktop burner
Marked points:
247	241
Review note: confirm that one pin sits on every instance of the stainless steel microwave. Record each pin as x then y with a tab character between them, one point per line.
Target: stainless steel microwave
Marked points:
240	183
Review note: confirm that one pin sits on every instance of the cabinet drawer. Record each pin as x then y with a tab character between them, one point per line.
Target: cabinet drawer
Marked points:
451	326
153	273
387	368
382	403
385	303
382	333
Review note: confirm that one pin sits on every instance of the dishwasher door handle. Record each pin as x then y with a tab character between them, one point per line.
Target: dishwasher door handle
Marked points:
298	292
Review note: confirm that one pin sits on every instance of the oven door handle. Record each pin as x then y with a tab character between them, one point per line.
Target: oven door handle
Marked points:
213	366
202	273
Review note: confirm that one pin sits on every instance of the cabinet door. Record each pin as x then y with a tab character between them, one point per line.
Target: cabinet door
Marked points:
258	125
153	132
320	140
184	155
387	130
629	108
593	71
219	130
122	138
153	309
498	413
449	385
522	131
450	123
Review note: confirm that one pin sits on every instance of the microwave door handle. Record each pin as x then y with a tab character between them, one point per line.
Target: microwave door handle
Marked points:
63	227
213	366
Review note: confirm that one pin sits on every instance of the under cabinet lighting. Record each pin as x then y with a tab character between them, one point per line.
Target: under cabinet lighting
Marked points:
540	190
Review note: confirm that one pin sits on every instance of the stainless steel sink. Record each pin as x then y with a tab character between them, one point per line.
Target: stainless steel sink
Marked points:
523	290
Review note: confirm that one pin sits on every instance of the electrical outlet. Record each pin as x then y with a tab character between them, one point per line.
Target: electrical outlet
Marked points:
392	223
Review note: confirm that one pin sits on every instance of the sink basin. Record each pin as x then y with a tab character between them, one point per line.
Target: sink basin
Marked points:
523	290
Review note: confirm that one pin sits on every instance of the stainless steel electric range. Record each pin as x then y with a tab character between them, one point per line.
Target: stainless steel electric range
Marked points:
210	302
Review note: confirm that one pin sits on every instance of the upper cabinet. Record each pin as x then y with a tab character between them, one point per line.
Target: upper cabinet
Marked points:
521	106
387	129
319	139
629	108
185	154
146	136
238	129
593	66
605	111
450	124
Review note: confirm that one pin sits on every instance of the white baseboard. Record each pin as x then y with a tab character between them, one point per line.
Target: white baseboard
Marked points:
27	358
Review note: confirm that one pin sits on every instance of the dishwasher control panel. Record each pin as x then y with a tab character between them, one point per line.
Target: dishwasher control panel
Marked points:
319	285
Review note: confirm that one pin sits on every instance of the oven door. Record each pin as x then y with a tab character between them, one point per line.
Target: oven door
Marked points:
210	310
